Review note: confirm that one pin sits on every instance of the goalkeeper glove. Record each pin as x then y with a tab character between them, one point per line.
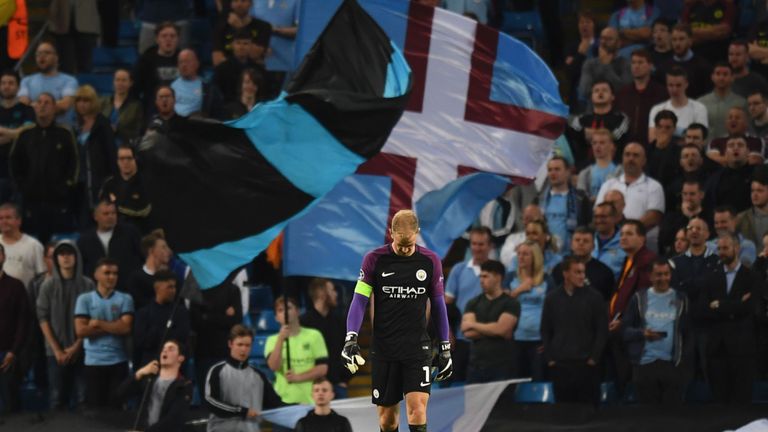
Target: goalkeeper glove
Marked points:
351	353
444	362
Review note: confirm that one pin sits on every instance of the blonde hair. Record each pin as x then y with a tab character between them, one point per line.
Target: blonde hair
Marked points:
603	131
537	262
87	92
405	218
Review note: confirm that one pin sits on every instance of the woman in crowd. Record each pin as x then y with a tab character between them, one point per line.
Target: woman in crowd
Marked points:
123	111
96	149
537	231
529	285
251	82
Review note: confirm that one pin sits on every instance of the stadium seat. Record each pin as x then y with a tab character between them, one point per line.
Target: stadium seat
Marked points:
760	392
698	392
267	323
200	31
257	349
32	398
106	59
205	53
102	82
535	392
261	297
524	25
71	236
128	33
261	364
608	393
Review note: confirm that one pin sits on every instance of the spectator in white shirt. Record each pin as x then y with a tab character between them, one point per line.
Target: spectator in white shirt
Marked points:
687	110
644	196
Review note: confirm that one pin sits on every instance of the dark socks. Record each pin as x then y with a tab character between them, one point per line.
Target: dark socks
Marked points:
417	428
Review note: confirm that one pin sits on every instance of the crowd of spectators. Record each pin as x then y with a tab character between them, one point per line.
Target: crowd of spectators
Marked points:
642	260
639	261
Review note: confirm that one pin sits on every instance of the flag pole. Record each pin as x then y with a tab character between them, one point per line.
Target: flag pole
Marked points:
287	339
168	325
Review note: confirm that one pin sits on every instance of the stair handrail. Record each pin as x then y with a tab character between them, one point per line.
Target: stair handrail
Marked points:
35	40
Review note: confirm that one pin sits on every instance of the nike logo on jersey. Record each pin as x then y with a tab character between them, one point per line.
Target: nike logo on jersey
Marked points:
384	274
423	384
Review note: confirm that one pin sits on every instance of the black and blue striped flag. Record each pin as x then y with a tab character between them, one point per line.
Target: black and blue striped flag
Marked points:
222	192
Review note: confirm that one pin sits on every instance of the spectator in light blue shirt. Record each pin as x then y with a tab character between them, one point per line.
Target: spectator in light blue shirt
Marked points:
529	285
657	336
564	206
50	80
634	25
463	285
188	86
478	8
194	97
104	318
607	248
593	176
284	17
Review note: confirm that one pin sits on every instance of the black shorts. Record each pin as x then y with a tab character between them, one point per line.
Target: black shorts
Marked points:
390	380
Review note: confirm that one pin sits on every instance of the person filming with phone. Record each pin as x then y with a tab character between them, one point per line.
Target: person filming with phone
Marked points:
656	332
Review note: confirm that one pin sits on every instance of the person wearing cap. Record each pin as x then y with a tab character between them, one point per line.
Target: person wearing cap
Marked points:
56	314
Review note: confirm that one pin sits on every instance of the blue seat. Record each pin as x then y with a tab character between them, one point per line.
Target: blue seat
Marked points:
261	297
128	31
261	364
535	392
608	394
698	392
267	323
205	53
760	392
257	349
33	399
102	82
106	58
524	25
200	31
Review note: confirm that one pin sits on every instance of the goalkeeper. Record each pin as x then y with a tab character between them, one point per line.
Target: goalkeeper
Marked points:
401	276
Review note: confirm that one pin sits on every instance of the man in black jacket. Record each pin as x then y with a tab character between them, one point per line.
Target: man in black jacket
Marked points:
689	271
219	309
109	238
167	405
730	302
44	166
574	328
323	316
127	191
599	276
323	418
152	321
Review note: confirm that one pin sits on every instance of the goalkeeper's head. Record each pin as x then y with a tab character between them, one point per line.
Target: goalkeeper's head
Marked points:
404	231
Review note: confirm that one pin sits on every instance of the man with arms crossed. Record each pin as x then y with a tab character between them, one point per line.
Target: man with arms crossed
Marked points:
401	276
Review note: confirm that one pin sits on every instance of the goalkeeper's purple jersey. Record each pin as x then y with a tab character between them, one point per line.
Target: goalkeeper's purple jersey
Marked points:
401	286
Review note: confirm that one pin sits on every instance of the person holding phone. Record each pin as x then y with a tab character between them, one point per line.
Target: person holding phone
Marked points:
656	332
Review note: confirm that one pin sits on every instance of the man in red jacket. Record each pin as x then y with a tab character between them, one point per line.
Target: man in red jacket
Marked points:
635	275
